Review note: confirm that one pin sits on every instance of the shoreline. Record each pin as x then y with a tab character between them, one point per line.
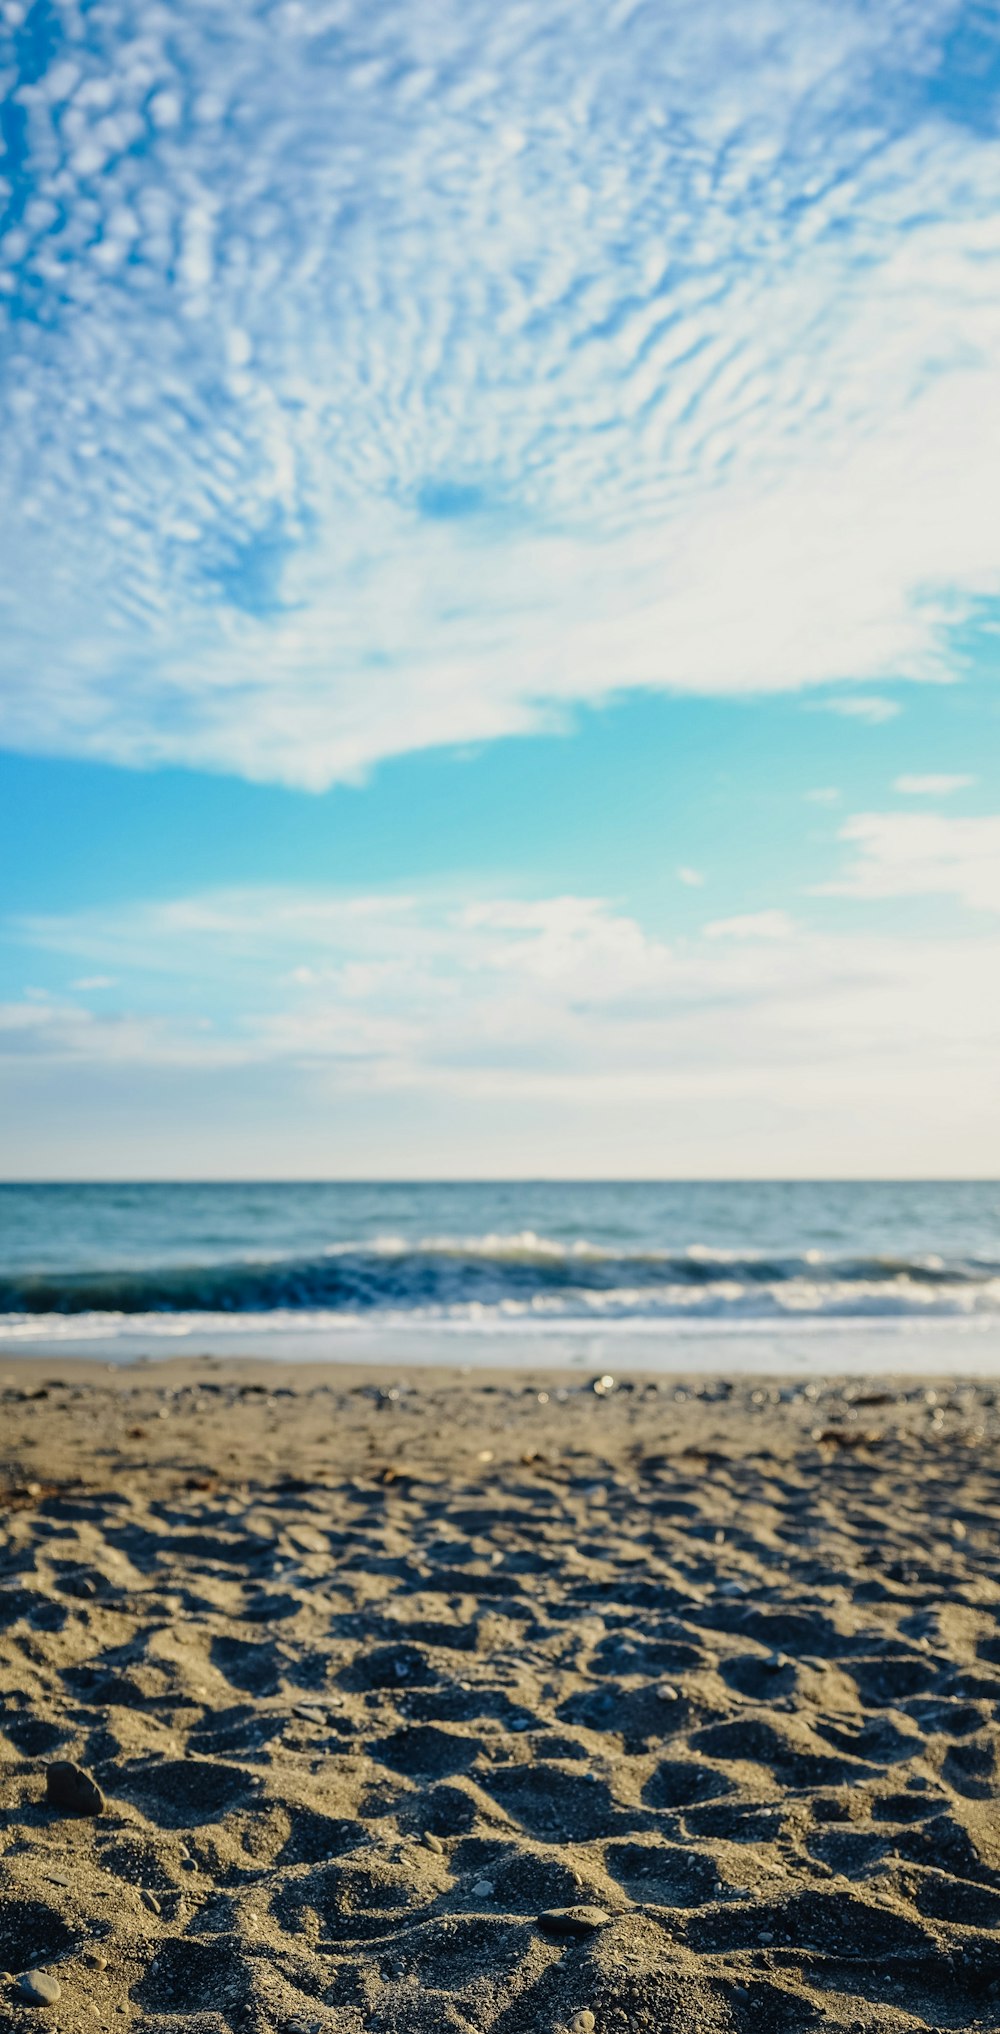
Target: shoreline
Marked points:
889	1346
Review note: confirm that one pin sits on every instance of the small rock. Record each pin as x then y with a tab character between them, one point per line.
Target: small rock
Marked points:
432	1842
573	1920
583	2022
483	1889
602	1387
150	1900
95	1960
71	1787
39	1988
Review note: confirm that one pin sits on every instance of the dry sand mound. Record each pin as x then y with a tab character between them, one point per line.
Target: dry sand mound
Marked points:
673	1715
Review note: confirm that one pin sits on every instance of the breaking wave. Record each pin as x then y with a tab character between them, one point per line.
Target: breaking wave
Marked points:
520	1276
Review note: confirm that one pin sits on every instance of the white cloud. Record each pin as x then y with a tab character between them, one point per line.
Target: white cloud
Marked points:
382	378
923	854
825	794
547	1006
865	706
69	1032
931	786
693	879
752	925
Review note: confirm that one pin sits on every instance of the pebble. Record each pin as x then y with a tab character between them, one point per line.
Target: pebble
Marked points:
583	2022
94	1960
483	1889
71	1787
572	1920
39	1988
150	1900
432	1842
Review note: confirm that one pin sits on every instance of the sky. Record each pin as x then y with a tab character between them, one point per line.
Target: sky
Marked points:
499	588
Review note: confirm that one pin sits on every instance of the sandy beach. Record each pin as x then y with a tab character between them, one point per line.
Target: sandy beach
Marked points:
504	1703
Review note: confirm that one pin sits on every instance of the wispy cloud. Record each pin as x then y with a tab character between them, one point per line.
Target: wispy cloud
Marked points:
62	1031
382	378
932	786
923	854
753	925
558	1001
867	706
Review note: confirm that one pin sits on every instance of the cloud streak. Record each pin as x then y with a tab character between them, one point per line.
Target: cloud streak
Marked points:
381	379
933	785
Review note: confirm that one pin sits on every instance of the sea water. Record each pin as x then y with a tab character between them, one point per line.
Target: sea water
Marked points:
767	1275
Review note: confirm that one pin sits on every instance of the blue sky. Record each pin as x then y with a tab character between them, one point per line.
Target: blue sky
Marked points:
499	588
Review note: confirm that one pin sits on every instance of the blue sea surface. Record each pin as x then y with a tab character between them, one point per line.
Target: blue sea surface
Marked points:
284	1266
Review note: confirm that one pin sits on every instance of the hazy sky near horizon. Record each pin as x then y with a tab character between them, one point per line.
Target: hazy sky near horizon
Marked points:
499	587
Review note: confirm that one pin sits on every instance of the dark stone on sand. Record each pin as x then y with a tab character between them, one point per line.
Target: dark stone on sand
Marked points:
575	1921
39	1988
69	1786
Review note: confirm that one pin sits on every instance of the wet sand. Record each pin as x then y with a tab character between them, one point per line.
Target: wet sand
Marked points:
422	1702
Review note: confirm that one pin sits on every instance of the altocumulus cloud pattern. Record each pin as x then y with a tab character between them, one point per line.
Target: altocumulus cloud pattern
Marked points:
378	376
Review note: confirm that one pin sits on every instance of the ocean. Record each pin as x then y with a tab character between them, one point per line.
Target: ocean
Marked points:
766	1275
